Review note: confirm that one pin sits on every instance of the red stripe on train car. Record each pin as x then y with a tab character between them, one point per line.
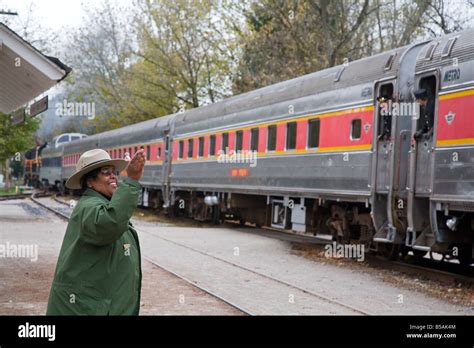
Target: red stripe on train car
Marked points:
455	118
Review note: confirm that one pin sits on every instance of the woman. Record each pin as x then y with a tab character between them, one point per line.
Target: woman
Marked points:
99	270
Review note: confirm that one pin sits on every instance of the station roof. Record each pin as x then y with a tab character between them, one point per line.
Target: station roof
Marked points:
25	72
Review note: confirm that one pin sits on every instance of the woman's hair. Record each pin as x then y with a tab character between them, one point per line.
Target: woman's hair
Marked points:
91	175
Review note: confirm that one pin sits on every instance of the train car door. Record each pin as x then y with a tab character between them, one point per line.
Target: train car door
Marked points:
419	234
382	166
166	167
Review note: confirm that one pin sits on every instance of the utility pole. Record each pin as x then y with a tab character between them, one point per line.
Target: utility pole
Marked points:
2	12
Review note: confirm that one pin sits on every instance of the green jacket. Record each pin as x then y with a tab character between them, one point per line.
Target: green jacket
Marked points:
99	266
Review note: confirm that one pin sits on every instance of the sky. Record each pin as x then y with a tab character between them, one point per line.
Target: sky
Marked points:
51	13
54	14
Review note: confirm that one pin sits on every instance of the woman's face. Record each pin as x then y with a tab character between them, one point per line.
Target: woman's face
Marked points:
106	181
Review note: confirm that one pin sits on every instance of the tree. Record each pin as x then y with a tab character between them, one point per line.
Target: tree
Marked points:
15	139
152	60
189	47
99	51
284	39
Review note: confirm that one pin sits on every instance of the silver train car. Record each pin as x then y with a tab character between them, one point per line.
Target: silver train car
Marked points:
317	155
51	160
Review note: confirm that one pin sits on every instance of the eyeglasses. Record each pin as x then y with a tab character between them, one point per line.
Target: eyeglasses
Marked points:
109	172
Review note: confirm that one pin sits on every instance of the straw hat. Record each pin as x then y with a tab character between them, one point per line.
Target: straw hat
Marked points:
91	160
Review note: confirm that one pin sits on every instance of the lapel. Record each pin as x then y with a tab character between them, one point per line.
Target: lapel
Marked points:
92	193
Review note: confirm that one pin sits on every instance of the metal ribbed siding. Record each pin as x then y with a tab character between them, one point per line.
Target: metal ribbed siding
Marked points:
463	50
360	72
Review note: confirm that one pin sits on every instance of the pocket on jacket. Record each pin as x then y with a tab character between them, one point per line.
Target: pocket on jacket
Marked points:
80	300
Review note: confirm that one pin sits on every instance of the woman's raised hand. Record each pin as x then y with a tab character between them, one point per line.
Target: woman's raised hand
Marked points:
136	165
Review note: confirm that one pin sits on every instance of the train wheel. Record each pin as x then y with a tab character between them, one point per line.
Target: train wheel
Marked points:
216	215
465	255
61	188
45	185
404	250
418	255
390	251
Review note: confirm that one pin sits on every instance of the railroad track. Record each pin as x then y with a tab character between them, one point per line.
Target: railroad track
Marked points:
36	194
263	275
412	269
207	291
428	271
271	232
14	196
55	211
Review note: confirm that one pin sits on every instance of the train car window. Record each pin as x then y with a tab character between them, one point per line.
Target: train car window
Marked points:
384	112
190	148
120	153
291	136
271	139
167	142
159	151
339	74
239	140
181	149
254	139
148	152
313	133
63	139
201	147
430	51
448	47
130	152
225	141
356	129
425	123
389	62
135	150
212	145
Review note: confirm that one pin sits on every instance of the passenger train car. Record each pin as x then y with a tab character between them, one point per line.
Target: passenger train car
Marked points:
307	154
51	160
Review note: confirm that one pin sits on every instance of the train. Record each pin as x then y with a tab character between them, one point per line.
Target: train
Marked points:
33	161
308	155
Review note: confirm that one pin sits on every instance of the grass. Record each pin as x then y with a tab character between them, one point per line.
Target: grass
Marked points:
9	192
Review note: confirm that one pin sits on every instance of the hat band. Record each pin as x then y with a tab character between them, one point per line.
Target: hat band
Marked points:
94	163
